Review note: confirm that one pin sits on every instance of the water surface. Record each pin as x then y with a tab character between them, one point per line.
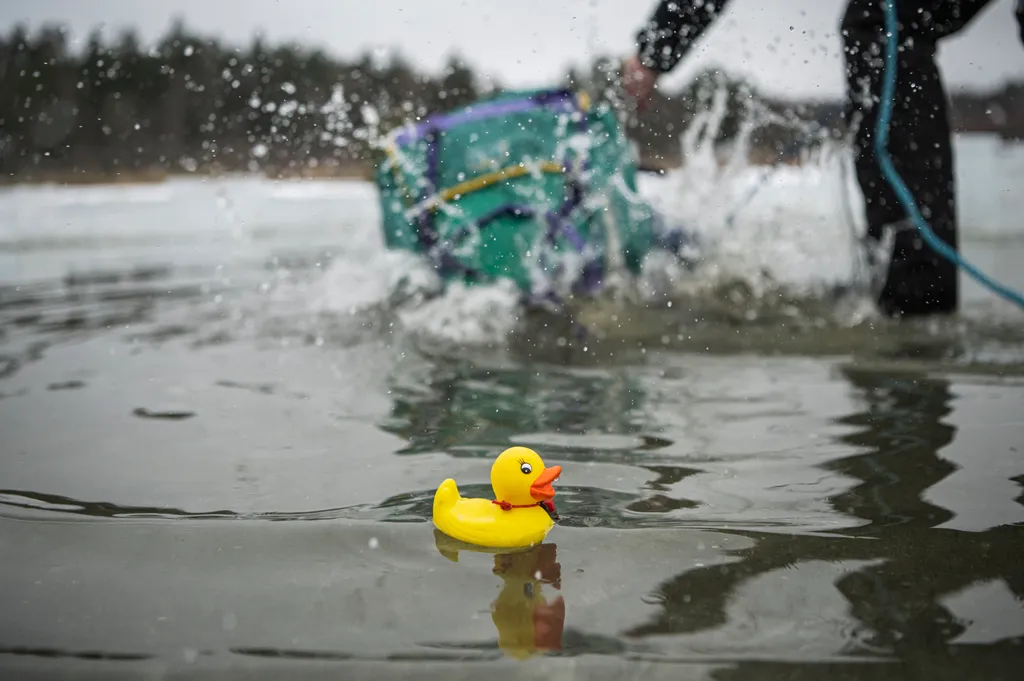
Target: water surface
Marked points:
221	435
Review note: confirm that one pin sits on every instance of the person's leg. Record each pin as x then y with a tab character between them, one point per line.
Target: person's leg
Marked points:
919	280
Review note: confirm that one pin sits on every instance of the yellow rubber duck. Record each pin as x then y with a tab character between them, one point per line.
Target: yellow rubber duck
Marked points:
521	513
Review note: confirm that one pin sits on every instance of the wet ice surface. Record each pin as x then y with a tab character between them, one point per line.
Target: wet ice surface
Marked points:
221	434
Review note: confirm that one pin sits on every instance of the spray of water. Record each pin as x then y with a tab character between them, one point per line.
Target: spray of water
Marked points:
773	238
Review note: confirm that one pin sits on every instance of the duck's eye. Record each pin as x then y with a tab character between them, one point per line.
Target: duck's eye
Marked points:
526	469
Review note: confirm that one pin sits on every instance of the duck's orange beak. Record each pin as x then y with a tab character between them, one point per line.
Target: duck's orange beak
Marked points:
541	489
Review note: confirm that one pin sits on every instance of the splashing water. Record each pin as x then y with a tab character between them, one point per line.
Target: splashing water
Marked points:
780	230
772	237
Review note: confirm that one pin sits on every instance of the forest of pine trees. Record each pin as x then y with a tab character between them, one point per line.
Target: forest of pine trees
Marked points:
189	103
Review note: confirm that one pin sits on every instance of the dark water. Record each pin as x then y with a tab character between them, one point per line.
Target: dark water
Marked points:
203	477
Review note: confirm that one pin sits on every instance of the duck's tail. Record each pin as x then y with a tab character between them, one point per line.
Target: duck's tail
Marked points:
446	495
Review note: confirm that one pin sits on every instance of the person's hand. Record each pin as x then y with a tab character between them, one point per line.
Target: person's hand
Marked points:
639	81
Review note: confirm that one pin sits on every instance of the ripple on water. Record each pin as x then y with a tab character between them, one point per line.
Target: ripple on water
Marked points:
41	506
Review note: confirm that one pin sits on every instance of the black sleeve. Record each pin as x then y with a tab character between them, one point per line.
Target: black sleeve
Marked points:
673	29
1020	18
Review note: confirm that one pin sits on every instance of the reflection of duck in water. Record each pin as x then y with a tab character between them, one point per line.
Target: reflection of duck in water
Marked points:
526	621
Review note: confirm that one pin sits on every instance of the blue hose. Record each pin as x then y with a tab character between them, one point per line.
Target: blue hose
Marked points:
890	174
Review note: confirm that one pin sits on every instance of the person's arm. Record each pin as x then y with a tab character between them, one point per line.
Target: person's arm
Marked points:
1020	18
673	29
664	40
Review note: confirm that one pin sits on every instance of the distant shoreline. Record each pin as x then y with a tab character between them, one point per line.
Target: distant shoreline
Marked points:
80	178
348	171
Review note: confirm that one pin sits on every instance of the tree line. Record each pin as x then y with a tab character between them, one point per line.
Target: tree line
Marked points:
191	103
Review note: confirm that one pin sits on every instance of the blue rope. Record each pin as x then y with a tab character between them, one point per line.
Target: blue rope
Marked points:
889	172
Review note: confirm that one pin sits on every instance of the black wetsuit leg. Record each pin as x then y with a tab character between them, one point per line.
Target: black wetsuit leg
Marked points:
919	280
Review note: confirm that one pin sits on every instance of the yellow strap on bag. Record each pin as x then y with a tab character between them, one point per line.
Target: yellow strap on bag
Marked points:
487	179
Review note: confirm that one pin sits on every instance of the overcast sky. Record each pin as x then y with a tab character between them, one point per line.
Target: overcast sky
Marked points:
786	46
